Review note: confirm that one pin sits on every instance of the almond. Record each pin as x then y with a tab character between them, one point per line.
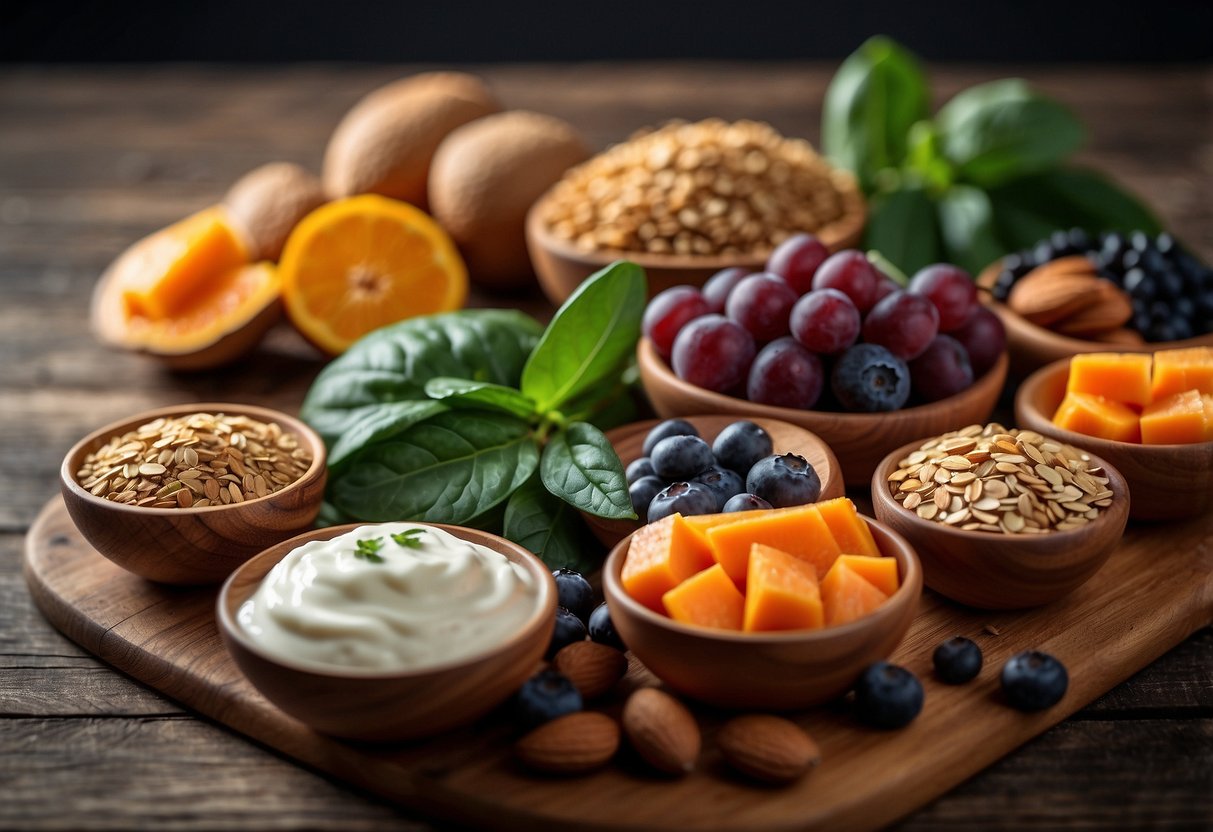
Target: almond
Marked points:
1108	309
1054	291
592	668
768	748
662	731
570	744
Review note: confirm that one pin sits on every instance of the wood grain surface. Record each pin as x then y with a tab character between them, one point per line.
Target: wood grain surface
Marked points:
92	158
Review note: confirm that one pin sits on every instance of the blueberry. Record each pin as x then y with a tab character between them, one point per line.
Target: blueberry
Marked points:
1043	253
725	483
668	428
1079	239
569	630
1060	241
744	502
1033	681
681	457
637	468
787	480
1181	328
957	660
1139	284
685	498
1140	241
868	378
1171	284
602	628
1165	243
740	445
574	593
642	493
544	697
887	696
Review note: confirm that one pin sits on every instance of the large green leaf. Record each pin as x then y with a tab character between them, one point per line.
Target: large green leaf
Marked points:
448	469
590	337
902	227
966	222
875	96
580	466
375	422
393	364
997	131
544	524
480	395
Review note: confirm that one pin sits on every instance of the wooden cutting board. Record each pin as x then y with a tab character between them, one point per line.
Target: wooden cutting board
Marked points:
1155	590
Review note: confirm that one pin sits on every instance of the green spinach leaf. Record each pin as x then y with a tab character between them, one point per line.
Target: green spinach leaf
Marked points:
544	524
580	466
481	395
903	228
372	423
966	220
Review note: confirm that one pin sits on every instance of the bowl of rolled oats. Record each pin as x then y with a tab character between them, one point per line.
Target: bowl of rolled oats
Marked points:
1002	518
185	494
686	200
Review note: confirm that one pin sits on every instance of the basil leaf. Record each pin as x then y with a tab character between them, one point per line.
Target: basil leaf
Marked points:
875	96
966	220
580	467
448	469
544	524
380	421
458	392
902	227
590	336
393	364
997	131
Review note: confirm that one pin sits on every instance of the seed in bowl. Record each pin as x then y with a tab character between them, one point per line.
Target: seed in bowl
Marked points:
195	460
995	479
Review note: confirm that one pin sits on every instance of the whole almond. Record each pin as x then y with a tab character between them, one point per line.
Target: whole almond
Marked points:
662	731
1054	291
570	744
768	748
1108	308
593	668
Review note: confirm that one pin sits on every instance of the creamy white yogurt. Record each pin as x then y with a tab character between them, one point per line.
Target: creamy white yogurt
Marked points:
402	608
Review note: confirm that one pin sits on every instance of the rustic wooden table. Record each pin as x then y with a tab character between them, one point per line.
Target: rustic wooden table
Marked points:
93	158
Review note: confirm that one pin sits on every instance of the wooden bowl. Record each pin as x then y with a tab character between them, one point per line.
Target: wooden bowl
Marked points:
192	545
786	438
1167	482
858	440
385	706
780	671
1000	571
561	266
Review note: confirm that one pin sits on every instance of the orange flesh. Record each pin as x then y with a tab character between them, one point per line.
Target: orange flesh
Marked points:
1097	416
848	528
1178	370
880	572
799	531
847	595
1119	377
1208	403
781	592
708	599
1175	420
660	557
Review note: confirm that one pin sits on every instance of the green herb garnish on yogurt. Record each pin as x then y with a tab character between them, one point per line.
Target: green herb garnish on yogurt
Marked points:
367	549
408	538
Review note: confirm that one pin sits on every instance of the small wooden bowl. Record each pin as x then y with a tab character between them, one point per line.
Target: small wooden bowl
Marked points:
780	671
561	266
387	706
785	438
999	571
858	440
192	545
1167	482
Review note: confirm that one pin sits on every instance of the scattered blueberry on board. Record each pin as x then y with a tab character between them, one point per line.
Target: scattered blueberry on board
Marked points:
887	696
544	697
957	660
1033	681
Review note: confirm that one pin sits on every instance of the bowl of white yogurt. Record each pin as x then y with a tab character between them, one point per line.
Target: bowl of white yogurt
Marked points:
389	631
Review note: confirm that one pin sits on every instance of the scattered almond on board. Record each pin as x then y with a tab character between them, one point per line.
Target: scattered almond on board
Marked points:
768	748
662	730
593	668
572	744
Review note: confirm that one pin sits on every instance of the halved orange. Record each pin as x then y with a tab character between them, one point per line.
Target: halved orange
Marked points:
363	262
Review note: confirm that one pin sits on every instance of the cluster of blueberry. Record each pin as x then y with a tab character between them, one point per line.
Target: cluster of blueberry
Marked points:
1172	291
682	473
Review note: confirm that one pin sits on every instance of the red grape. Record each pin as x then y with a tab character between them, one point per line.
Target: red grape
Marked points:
713	352
785	374
717	288
762	303
952	291
796	260
902	323
942	370
851	273
825	321
669	312
984	338
887	287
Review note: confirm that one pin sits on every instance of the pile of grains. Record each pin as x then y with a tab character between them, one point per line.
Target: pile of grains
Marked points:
992	479
706	188
197	460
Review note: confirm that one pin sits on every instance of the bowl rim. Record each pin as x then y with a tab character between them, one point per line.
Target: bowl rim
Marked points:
905	555
67	474
646	356
1041	375
544	606
1029	544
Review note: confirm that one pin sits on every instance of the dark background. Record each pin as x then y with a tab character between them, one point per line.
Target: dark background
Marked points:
261	31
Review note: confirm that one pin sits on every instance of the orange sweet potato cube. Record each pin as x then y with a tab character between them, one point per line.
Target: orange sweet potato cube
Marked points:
660	557
847	595
880	572
849	529
1178	370
1117	376
799	531
1097	416
781	592
1208	402
708	599
1175	420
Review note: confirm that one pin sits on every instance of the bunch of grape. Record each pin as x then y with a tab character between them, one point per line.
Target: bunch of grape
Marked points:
777	337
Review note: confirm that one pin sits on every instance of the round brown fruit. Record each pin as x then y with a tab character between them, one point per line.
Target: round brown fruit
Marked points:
267	202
